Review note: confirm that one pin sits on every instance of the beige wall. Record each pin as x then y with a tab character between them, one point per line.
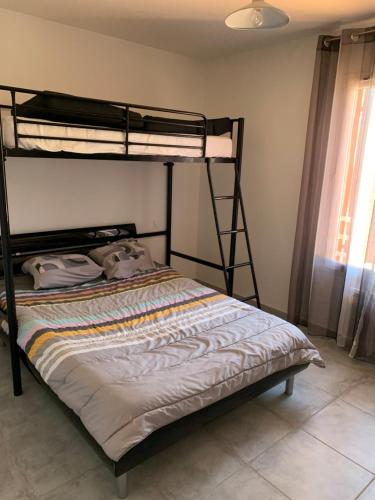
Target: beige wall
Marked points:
270	87
45	55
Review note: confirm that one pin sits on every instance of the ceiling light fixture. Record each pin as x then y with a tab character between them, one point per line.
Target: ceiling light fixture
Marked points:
257	15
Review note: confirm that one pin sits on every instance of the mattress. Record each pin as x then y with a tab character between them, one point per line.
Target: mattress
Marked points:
151	143
131	356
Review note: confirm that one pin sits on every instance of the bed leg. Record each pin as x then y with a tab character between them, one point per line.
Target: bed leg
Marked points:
289	386
122	485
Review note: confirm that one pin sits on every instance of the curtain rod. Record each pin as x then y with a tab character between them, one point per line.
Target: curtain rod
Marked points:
354	37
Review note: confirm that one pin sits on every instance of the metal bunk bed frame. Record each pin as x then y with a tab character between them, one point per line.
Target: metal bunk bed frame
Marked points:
16	247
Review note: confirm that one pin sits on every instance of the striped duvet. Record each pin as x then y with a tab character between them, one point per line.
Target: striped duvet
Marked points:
131	356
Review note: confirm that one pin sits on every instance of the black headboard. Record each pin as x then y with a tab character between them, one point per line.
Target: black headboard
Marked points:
70	239
79	240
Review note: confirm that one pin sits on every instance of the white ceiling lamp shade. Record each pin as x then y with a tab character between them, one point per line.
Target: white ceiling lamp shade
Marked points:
257	15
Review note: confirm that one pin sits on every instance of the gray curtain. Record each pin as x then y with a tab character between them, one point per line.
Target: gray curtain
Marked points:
312	178
332	283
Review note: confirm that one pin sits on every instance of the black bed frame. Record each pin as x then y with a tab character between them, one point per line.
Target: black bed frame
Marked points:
17	247
173	432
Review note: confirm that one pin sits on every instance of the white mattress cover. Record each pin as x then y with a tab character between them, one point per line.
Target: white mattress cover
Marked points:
216	146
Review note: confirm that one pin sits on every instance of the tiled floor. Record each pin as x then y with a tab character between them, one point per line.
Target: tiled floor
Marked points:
317	444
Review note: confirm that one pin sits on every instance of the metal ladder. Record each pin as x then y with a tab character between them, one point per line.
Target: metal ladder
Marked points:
229	269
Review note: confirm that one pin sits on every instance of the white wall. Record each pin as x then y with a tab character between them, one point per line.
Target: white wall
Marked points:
45	55
270	87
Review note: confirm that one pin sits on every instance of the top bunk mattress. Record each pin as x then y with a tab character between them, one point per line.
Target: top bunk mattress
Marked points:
131	356
56	138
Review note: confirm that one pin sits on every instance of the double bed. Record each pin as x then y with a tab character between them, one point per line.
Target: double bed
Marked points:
130	357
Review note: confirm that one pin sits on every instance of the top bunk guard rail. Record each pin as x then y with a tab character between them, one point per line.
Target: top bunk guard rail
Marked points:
198	129
97	127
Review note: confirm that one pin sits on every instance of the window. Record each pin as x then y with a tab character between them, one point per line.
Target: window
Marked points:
357	204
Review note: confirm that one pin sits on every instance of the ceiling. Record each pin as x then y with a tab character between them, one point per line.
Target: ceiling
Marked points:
192	27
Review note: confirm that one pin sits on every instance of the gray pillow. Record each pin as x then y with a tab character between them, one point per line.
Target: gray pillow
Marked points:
100	253
123	259
54	271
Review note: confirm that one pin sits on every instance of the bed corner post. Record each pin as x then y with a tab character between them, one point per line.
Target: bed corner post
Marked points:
289	385
122	485
168	242
8	275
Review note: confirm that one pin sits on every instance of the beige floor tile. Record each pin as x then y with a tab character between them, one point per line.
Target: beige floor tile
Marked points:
190	468
245	484
302	404
362	395
335	378
305	469
339	355
99	484
5	380
49	451
321	343
369	493
249	430
15	411
13	485
348	430
332	352
6	385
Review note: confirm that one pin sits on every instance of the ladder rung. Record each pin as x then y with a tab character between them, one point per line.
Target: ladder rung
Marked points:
245	299
243	264
235	231
230	197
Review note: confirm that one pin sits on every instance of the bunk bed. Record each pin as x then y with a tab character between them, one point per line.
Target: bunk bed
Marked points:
51	125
